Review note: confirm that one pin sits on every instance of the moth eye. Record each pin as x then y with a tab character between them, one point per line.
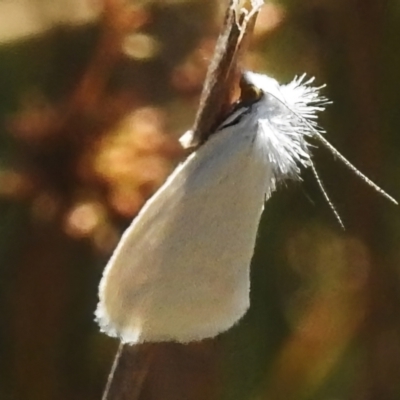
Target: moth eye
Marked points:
249	92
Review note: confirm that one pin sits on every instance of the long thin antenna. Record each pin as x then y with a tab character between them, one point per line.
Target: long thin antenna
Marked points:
336	153
324	192
348	164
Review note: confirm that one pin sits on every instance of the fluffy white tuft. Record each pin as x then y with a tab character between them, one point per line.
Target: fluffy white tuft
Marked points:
286	117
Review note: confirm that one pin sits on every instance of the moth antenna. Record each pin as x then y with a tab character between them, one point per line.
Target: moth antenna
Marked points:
348	164
336	153
324	192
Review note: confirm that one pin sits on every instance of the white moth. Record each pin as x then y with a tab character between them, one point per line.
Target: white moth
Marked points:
181	270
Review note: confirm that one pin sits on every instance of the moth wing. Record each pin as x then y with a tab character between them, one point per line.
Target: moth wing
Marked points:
181	270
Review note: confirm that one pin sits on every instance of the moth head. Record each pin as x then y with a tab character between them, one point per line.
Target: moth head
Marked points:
249	92
254	86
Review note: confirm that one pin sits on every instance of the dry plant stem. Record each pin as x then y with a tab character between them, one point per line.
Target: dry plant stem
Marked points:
221	83
111	374
166	371
224	72
130	360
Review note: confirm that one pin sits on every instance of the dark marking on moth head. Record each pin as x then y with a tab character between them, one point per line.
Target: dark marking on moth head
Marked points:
249	95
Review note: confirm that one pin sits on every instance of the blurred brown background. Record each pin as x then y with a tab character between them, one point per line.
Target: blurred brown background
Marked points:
93	96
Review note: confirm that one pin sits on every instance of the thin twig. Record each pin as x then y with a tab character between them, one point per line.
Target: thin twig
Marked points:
112	372
223	74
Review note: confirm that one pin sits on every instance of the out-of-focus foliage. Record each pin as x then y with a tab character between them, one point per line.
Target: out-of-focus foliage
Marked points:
93	98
